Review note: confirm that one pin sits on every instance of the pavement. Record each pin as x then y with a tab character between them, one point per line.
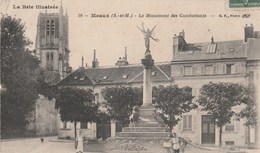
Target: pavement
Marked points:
34	145
54	145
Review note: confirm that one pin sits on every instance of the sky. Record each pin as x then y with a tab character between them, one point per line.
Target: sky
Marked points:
110	36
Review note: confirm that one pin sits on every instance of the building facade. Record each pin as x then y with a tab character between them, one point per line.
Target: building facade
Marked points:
192	65
234	61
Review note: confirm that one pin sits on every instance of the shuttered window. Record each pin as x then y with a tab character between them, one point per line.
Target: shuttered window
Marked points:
83	125
208	69
187	123
187	70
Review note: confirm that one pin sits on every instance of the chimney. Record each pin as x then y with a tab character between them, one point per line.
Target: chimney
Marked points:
95	62
179	42
183	34
249	32
125	53
122	61
82	61
212	40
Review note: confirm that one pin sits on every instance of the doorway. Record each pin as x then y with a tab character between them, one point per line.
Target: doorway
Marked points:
208	130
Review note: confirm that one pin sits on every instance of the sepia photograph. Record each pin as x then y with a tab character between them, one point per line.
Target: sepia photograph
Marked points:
120	76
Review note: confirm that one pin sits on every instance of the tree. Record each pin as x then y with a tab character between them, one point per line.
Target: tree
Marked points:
249	112
76	105
173	101
18	67
120	101
218	99
46	80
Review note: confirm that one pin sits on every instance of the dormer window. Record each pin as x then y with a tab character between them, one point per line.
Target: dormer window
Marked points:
76	77
153	73
105	77
125	76
231	49
82	78
211	48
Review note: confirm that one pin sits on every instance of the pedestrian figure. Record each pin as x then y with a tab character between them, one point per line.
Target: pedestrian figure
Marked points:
168	144
183	144
42	139
175	144
80	143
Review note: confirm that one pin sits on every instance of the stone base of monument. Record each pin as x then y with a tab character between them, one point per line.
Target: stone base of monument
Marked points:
147	117
147	126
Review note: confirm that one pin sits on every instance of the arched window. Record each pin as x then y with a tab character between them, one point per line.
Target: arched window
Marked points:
47	27
52	27
97	97
52	56
48	56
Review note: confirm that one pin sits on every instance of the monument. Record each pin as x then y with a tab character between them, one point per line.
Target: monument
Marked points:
146	124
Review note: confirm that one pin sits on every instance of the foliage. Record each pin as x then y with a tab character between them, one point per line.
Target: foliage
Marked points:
173	101
249	112
18	76
76	105
120	101
46	79
218	99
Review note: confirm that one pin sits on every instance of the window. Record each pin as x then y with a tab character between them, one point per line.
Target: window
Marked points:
187	70
82	78
251	77
153	73
230	143
52	56
83	125
65	125
187	123
230	69
97	97
195	91
211	48
105	77
196	70
208	69
52	27
231	49
125	76
230	126
48	56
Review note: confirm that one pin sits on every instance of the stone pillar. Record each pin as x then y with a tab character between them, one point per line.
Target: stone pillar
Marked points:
94	129
148	63
113	128
147	110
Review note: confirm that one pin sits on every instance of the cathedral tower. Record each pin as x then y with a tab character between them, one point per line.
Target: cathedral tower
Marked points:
52	43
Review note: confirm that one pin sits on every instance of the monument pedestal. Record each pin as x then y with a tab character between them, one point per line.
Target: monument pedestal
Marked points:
146	117
147	125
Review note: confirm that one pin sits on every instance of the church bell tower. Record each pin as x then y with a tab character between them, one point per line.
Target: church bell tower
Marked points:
52	43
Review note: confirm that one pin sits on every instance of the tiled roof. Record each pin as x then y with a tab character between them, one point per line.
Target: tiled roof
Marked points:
208	50
116	75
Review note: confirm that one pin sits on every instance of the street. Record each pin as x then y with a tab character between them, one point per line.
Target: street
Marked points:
53	145
33	145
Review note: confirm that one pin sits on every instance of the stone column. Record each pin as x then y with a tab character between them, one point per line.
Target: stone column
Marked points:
113	128
147	110
148	63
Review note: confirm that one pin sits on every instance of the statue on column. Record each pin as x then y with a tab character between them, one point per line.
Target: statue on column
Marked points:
148	35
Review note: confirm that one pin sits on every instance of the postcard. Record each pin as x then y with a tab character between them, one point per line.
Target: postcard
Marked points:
139	45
